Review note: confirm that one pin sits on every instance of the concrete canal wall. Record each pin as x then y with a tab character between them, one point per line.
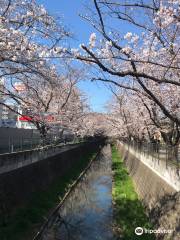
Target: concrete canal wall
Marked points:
17	186
151	184
12	161
158	187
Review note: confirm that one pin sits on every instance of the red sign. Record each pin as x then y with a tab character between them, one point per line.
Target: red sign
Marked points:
25	119
48	118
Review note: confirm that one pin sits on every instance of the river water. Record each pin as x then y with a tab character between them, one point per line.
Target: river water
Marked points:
87	213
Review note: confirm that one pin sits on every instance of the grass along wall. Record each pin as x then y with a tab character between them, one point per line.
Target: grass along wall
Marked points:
160	199
129	212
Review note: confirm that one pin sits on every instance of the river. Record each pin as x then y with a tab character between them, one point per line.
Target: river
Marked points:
87	212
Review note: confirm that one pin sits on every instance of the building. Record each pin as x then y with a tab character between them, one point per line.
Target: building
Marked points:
8	117
24	122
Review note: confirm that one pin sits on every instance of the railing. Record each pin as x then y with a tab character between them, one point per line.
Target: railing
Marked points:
157	151
11	161
162	159
22	144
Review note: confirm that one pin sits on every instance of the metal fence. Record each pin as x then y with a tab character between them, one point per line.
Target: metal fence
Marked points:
19	144
157	151
23	143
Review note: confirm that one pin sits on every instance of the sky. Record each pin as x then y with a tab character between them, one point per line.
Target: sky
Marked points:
98	93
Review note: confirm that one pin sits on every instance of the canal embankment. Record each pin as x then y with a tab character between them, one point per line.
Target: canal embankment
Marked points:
94	198
157	191
103	205
28	194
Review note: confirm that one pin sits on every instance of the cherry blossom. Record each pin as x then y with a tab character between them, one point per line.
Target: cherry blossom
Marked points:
146	62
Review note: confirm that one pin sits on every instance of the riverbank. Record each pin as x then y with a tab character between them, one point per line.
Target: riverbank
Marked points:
128	210
26	221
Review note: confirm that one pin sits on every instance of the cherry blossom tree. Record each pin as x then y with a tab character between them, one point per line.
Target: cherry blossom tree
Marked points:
130	123
28	36
95	124
146	61
55	100
30	41
72	114
136	116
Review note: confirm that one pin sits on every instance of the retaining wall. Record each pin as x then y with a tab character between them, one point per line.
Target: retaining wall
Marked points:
17	186
12	161
150	185
158	188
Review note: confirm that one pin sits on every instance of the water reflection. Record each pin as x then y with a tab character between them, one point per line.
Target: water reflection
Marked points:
87	213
